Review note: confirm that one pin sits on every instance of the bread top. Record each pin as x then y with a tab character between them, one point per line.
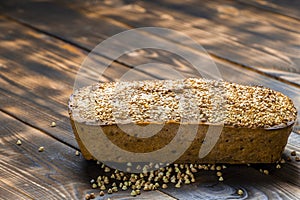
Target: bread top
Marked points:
191	100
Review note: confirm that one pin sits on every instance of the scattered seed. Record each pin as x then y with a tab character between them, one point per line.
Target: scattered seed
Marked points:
109	191
133	193
94	185
102	187
164	186
53	124
187	181
115	189
124	187
178	185
77	153
219	173
41	149
19	142
278	166
221	178
92	196
106	169
101	193
193	169
293	153
218	168
106	180
87	196
240	192
266	172
138	192
297	158
288	159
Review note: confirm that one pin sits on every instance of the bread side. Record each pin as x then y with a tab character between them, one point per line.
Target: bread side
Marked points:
257	121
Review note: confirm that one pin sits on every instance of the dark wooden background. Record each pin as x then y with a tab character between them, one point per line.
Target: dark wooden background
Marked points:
42	44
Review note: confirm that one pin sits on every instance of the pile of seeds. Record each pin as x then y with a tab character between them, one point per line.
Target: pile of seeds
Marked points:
188	100
174	174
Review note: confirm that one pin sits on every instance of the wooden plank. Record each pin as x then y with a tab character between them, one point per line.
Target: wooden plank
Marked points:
287	8
55	173
36	67
236	44
219	30
51	63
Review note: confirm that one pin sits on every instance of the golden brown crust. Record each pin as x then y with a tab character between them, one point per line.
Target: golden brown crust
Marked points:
235	145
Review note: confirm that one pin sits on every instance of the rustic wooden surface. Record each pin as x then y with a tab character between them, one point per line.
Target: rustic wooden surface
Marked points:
44	42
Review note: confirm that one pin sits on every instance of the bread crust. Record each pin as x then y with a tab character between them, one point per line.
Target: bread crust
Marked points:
235	145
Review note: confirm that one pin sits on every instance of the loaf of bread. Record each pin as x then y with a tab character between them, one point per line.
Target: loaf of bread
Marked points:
253	122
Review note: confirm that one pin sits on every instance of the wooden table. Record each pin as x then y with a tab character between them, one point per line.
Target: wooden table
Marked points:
44	42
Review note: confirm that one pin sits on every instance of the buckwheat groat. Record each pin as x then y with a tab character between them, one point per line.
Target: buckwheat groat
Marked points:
257	121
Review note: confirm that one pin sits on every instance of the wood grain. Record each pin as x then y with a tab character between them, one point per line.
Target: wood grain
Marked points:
37	74
205	22
268	42
288	8
55	173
